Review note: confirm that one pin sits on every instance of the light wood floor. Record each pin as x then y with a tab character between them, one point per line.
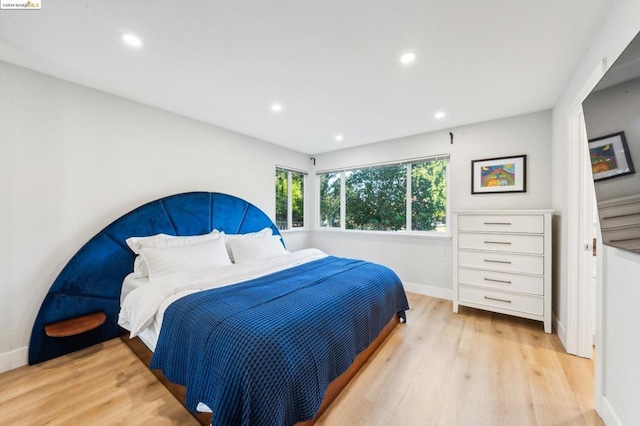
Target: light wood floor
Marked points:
473	368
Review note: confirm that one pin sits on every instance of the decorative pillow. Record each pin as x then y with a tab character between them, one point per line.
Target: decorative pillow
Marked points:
266	232
250	249
193	260
136	244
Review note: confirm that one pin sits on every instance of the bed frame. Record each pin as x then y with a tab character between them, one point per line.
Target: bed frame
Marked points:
91	281
332	392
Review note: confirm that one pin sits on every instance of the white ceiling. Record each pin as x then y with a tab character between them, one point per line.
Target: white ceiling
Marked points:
333	65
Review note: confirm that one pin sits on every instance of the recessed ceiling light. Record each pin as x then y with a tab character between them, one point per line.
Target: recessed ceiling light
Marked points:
408	58
339	138
439	115
276	107
131	40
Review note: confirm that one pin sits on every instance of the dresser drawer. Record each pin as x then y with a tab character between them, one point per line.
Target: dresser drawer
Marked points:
502	281
493	298
505	262
533	224
533	244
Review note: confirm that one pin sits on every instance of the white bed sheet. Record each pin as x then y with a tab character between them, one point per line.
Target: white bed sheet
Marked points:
129	284
143	307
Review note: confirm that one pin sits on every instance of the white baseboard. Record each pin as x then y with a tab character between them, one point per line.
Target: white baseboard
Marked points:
429	290
14	359
562	333
608	415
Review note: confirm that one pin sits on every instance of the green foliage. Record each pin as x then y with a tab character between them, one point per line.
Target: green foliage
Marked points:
297	199
376	197
428	195
330	200
282	198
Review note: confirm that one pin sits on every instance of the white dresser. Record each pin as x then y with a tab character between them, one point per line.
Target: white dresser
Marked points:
502	262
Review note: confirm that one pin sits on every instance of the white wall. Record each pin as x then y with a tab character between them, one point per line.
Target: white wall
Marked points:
425	263
620	389
73	159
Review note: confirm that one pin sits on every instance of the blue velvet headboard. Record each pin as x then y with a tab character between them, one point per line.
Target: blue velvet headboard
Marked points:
92	279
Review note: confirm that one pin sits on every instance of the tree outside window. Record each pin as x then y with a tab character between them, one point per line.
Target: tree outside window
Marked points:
289	199
375	198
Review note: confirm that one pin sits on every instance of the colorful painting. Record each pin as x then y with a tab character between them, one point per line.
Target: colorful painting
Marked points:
603	159
497	175
610	157
500	175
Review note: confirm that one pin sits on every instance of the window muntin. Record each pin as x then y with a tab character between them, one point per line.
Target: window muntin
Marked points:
289	199
392	197
297	200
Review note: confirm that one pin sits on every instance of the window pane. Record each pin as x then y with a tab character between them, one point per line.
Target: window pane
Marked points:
330	200
282	191
376	198
429	196
297	199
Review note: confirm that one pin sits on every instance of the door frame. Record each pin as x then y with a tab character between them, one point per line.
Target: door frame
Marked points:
579	330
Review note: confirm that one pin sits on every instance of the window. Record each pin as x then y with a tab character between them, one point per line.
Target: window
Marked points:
330	190
375	198
289	199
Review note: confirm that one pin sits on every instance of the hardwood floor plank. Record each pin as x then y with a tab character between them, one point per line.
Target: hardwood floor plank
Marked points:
440	368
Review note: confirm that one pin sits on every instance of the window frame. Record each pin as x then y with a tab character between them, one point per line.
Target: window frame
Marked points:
305	221
408	208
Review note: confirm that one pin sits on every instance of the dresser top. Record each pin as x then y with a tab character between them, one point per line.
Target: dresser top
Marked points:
504	212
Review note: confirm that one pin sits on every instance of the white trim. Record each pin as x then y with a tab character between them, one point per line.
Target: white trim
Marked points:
601	325
14	359
387	163
574	246
393	234
294	230
577	310
409	201
560	331
290	199
585	312
291	169
609	416
428	290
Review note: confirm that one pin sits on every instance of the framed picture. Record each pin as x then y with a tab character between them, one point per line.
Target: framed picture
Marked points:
499	175
610	157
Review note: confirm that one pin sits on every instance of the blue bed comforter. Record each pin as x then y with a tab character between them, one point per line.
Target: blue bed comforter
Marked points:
263	352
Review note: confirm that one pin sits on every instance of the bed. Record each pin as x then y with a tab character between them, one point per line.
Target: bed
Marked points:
313	318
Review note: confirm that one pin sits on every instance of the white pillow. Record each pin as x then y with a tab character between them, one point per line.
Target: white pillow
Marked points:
266	232
136	244
166	263
249	249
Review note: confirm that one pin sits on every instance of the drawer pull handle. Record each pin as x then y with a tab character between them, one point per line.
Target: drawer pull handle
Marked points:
497	300
498	242
497	281
498	261
498	223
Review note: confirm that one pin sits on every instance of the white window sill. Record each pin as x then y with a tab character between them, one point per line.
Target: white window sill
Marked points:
391	234
294	230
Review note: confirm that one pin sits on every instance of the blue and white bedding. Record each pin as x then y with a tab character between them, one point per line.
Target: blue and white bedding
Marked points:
263	350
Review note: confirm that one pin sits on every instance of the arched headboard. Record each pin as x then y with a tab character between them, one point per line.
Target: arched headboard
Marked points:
92	279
